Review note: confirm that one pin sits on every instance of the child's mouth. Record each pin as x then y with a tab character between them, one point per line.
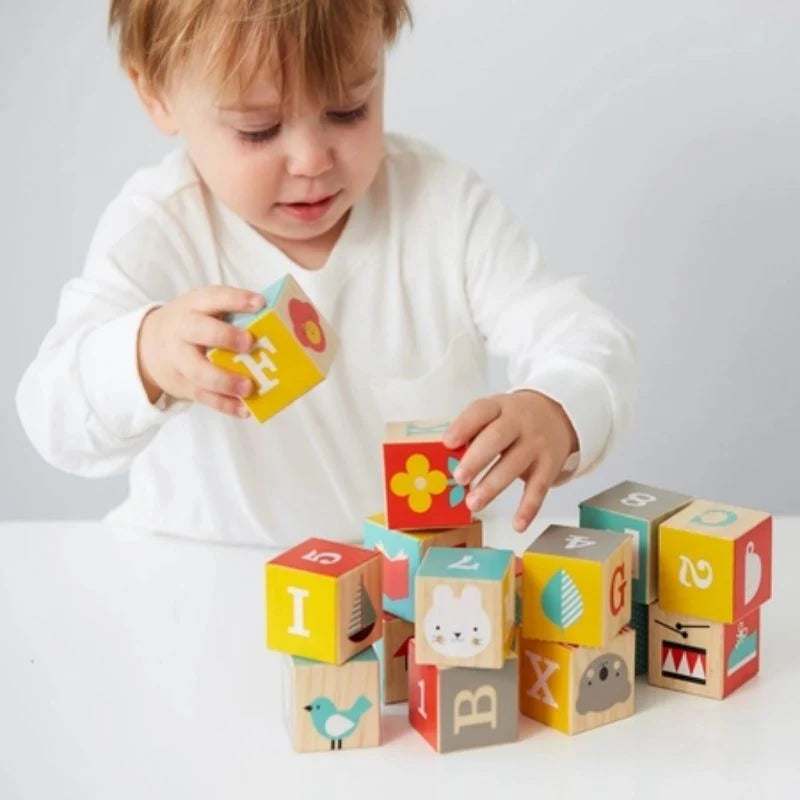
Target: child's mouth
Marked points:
308	212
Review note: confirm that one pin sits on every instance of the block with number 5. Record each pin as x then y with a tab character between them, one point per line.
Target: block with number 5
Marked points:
465	607
323	600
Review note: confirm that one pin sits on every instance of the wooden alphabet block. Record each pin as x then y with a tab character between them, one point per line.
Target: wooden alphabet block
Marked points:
635	509
293	349
323	600
392	652
715	561
576	585
461	708
332	707
402	553
640	622
465	607
420	490
574	689
702	657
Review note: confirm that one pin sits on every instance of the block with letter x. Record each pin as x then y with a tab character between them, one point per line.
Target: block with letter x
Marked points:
323	600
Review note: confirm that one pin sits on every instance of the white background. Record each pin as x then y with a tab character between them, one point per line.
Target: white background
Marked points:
651	146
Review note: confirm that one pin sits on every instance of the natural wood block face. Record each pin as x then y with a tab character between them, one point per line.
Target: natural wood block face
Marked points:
715	561
323	600
636	509
402	553
332	707
465	607
293	349
701	657
392	651
573	688
576	585
420	491
461	708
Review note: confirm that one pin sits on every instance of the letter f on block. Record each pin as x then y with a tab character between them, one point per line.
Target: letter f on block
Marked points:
258	368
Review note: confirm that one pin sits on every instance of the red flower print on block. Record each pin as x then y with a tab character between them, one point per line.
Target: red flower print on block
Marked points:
307	327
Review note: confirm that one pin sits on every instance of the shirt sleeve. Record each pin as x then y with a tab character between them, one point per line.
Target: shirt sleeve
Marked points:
554	337
81	401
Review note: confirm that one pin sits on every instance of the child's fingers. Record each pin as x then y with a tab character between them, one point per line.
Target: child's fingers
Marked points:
231	406
474	418
206	331
537	485
207	377
513	463
492	440
223	299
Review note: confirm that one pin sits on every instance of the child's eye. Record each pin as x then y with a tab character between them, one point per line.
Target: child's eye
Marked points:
353	115
256	137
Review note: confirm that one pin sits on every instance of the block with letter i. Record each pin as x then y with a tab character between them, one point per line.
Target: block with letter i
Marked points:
465	607
573	688
456	708
293	349
635	509
323	600
576	586
419	485
332	707
402	553
715	561
694	655
392	652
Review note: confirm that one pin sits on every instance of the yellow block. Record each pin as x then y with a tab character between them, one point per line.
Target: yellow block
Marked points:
695	574
279	367
301	613
585	628
544	686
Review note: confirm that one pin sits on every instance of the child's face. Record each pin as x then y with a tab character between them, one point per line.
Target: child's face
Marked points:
292	174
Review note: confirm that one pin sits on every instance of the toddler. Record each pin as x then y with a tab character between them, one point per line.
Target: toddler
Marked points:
284	167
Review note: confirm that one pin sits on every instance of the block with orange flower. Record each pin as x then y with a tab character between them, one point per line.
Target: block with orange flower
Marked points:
293	349
323	600
419	485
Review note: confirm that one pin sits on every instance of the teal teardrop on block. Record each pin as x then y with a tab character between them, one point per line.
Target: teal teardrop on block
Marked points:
561	601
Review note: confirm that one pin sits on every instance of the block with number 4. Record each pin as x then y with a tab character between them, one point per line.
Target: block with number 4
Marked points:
457	709
323	600
576	585
638	510
715	561
293	349
419	484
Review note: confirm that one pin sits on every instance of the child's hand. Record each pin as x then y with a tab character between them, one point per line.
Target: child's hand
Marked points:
531	434
173	339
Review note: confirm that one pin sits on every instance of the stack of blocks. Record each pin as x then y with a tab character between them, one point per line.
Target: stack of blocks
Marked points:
704	570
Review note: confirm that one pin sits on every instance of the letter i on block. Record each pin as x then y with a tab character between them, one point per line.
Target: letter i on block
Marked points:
420	490
576	586
328	707
715	561
465	607
574	689
459	708
293	349
323	600
638	510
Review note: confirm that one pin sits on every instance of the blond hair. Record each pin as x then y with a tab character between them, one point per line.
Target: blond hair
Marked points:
232	40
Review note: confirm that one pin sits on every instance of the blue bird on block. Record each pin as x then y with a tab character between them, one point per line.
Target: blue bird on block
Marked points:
334	724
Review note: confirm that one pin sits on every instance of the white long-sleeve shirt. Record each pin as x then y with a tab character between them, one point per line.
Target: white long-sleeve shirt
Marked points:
430	274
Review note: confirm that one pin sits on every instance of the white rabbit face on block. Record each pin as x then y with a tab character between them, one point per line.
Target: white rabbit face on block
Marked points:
457	626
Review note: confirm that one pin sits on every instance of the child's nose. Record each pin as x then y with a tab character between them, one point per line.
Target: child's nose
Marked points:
309	154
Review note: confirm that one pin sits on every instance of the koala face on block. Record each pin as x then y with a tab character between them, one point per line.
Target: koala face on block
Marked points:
457	627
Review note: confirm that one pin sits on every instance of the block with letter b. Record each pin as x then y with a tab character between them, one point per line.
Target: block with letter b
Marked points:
715	561
635	509
465	607
460	708
293	349
419	486
576	585
573	688
323	600
402	553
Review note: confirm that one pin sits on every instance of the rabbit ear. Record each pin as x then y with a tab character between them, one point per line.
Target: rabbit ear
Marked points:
471	596
442	594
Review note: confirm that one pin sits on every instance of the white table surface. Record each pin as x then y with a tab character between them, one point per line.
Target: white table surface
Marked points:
133	666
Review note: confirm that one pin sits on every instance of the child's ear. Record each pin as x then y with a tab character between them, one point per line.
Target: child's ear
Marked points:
154	102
